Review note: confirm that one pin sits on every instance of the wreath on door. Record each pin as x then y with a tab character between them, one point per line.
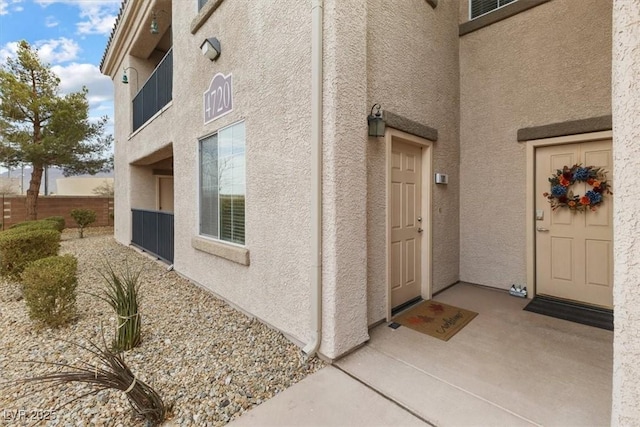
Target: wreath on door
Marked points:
562	196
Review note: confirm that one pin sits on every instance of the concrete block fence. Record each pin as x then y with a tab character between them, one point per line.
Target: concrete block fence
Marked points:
15	210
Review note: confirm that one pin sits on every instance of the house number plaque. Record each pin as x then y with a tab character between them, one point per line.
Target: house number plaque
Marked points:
218	98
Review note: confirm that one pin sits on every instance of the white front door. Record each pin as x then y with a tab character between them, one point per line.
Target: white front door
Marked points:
574	250
406	222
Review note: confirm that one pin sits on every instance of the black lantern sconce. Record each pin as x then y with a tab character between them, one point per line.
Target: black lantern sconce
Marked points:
376	122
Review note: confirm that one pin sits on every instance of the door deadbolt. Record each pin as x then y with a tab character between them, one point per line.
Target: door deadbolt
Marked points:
419	219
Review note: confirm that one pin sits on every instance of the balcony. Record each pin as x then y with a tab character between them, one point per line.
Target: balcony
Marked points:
156	92
152	231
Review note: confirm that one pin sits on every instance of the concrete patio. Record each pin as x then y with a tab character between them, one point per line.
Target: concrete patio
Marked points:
507	367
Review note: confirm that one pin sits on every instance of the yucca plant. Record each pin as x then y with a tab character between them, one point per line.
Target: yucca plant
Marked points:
121	293
111	372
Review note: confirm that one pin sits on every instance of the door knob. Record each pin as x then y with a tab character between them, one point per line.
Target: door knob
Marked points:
420	230
542	229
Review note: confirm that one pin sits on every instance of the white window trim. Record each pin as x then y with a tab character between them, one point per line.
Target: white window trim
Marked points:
486	13
204	237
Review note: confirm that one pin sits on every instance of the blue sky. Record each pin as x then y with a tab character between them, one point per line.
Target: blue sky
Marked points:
71	36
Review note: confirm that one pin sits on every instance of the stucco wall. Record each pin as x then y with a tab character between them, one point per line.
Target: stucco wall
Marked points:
412	71
626	150
266	47
81	186
135	187
549	64
269	57
345	176
121	131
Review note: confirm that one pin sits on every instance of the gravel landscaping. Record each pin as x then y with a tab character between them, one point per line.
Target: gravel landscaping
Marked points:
210	361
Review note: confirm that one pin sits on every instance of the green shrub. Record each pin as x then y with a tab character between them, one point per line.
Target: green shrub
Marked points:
58	220
39	224
20	247
83	217
49	286
121	294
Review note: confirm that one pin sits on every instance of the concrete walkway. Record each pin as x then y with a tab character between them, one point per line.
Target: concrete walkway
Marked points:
508	367
328	397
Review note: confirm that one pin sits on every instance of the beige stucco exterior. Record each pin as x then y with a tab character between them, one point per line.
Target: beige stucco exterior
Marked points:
10	185
269	277
626	135
272	96
547	65
73	186
412	62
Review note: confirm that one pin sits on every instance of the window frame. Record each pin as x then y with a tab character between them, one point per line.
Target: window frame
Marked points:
199	189
471	17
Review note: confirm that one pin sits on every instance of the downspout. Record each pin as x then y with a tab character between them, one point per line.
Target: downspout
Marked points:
316	178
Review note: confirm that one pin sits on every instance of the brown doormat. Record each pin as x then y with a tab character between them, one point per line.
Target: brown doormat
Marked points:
436	319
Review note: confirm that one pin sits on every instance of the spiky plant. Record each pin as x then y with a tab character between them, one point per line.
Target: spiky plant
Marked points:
110	373
121	293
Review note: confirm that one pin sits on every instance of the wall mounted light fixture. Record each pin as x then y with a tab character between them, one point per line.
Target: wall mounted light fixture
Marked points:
375	121
125	78
154	27
211	48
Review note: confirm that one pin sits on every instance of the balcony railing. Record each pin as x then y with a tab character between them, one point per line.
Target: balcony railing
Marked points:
153	232
156	92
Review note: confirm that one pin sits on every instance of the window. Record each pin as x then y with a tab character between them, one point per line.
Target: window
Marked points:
481	7
222	184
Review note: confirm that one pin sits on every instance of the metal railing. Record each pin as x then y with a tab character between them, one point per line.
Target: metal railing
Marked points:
152	231
156	92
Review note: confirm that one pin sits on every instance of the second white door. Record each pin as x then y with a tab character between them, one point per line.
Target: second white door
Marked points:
574	250
406	222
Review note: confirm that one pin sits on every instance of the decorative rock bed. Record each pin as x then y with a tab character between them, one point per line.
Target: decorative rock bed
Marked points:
210	361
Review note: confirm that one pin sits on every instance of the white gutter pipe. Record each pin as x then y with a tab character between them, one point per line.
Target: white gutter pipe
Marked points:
316	178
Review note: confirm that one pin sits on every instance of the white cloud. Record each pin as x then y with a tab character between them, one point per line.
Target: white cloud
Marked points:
57	51
53	51
98	16
74	76
8	50
100	20
100	96
4	6
51	21
45	3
